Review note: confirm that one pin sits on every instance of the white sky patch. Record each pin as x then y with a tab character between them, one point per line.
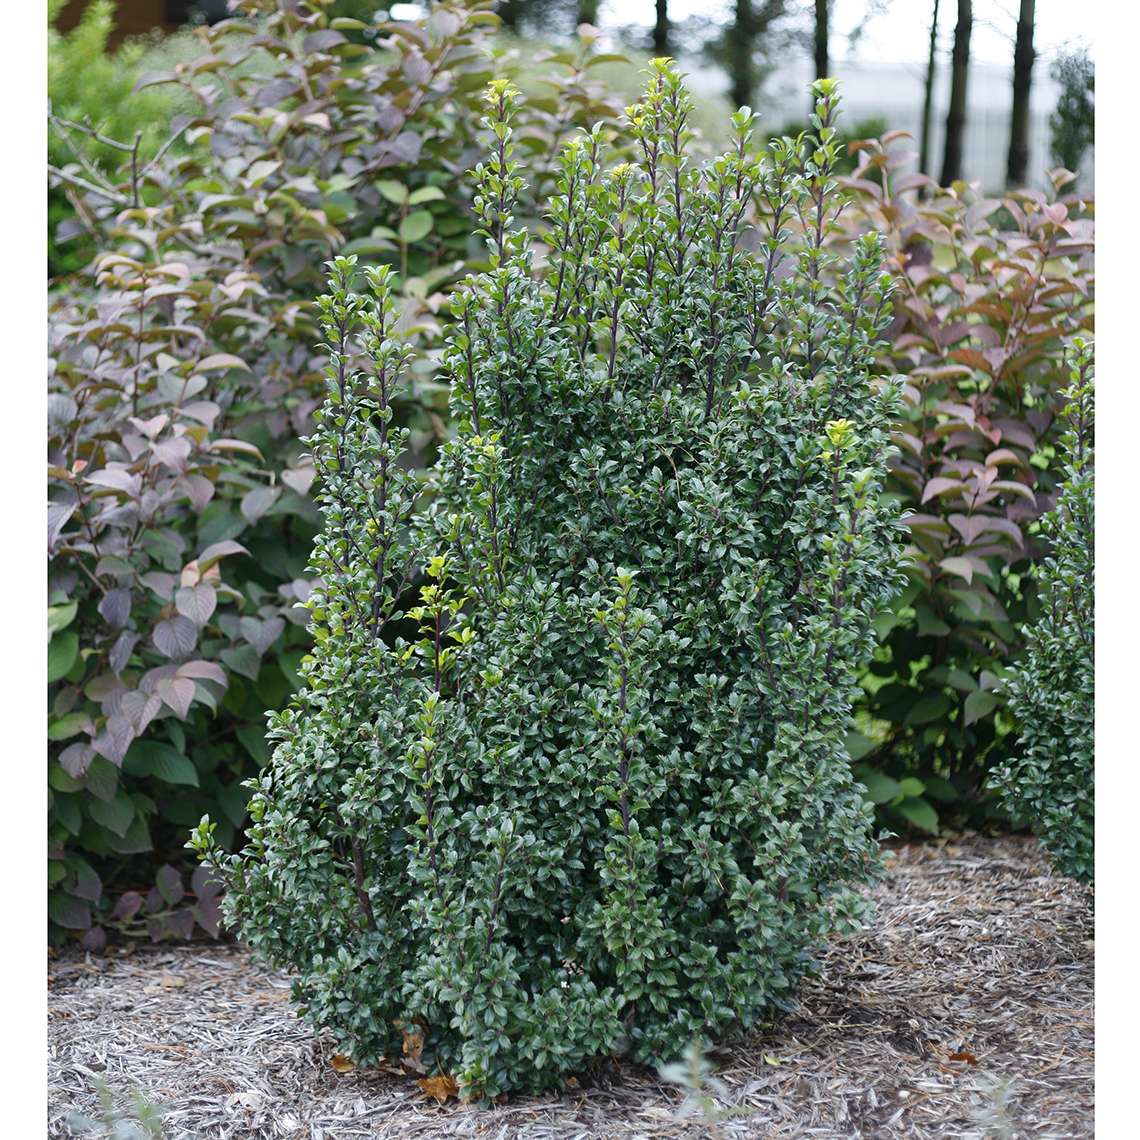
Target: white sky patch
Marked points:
900	33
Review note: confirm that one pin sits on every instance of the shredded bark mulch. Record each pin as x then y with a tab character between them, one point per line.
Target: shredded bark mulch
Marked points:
964	1010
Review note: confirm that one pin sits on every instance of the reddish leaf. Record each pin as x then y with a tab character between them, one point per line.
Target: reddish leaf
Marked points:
129	904
256	502
441	1089
116	478
169	884
202	671
175	637
261	634
178	694
220	360
75	758
940	486
115	607
218	550
94	941
196	602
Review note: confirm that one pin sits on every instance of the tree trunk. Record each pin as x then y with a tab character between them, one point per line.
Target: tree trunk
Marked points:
508	11
1017	164
588	11
661	29
741	49
928	95
959	74
822	35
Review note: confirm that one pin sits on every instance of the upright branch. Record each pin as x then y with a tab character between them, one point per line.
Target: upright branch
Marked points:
361	555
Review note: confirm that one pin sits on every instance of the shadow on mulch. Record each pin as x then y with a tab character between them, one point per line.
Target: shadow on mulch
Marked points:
965	1010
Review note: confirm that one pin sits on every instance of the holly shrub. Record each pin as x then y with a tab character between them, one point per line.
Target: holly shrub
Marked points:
1049	783
990	291
586	789
182	372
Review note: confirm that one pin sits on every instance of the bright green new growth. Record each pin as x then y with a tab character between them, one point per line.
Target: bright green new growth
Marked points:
601	803
1051	694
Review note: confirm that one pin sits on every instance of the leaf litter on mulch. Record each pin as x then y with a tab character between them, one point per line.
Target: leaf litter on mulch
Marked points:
965	1010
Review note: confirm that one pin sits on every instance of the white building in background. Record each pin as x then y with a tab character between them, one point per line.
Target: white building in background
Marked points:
893	92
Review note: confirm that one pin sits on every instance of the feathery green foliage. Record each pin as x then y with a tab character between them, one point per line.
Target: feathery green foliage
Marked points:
600	801
1051	693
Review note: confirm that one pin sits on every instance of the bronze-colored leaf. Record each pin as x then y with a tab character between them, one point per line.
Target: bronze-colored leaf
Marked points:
413	1048
442	1088
963	1055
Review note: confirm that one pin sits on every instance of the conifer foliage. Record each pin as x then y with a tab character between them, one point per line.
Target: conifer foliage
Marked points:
600	802
1049	783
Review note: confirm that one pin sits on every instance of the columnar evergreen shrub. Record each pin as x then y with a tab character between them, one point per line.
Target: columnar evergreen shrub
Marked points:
590	793
1051	692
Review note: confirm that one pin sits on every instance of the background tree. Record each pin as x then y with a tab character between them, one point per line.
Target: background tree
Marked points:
741	47
956	116
822	36
1017	163
1071	124
928	95
661	36
744	42
509	13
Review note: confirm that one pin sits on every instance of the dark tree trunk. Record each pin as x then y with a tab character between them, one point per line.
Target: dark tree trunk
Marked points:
1017	164
741	52
959	74
822	36
588	11
508	11
928	95
661	29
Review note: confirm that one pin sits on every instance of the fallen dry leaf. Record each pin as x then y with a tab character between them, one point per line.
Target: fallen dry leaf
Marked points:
962	1055
341	1063
442	1088
165	982
413	1049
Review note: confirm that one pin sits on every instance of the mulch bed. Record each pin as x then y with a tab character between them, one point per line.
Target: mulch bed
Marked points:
964	1010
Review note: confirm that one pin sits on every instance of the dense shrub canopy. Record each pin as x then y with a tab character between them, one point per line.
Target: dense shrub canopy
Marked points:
1049	783
601	801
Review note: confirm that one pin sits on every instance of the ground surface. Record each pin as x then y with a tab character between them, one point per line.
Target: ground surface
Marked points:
965	1010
